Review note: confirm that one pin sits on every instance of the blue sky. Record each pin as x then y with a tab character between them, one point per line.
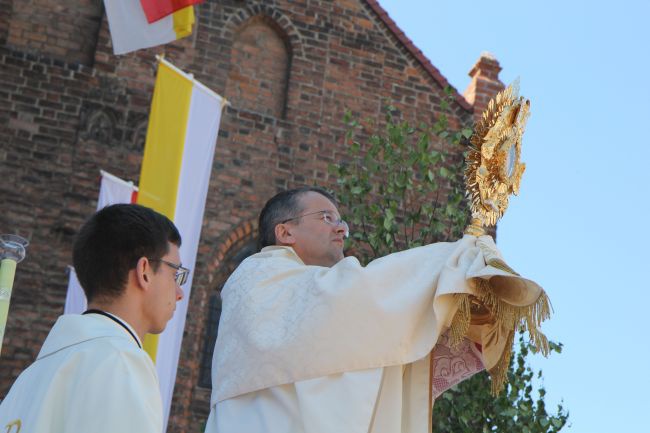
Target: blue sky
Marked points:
580	225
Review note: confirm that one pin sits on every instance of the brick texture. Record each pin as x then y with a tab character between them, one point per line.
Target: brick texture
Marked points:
485	83
6	7
69	107
260	62
66	29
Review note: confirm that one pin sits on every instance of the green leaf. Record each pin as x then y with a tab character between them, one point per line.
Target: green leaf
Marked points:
423	142
557	422
356	190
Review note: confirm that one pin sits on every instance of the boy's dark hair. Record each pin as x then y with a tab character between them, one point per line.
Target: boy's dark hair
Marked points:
112	241
282	206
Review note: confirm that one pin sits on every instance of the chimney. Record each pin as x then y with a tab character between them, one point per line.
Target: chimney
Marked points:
485	83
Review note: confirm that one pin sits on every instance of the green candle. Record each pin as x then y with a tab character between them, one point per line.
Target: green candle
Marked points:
12	252
7	273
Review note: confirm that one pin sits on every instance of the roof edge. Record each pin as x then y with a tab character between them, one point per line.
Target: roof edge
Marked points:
417	53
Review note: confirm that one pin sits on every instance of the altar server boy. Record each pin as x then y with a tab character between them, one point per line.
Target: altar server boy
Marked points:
92	374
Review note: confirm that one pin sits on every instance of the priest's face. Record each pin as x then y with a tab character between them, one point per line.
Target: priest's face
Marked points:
317	236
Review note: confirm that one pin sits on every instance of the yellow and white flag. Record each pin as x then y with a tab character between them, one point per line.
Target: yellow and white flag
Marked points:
131	31
179	150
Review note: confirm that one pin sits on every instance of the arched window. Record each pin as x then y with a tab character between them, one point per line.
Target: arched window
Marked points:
259	67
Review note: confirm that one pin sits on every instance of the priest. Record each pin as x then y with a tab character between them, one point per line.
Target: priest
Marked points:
310	341
92	374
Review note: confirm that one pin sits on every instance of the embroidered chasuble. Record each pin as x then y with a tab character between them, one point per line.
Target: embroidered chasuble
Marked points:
310	349
90	376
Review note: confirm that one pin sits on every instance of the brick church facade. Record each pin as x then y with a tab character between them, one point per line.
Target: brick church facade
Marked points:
69	107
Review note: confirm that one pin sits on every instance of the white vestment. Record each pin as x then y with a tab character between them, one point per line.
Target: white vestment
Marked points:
90	376
309	349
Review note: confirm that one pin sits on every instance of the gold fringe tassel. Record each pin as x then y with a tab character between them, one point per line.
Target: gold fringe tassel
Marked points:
499	373
512	318
500	264
460	323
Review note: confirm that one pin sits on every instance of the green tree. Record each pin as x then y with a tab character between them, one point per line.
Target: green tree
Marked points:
416	190
403	187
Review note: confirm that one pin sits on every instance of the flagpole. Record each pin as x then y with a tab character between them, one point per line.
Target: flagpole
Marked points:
224	101
12	252
117	179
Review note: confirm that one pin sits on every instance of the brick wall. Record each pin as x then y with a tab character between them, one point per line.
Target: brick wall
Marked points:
66	29
6	7
485	83
290	69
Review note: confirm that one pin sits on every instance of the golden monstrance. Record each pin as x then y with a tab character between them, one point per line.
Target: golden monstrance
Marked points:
493	173
493	163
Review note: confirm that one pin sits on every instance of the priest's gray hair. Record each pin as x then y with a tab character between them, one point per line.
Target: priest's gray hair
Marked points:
281	207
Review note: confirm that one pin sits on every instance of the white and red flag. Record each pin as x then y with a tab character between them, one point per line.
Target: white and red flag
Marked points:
131	29
157	9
